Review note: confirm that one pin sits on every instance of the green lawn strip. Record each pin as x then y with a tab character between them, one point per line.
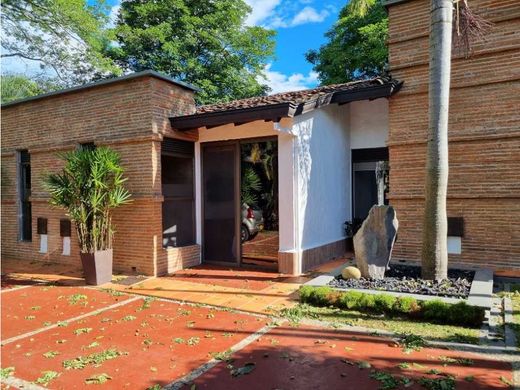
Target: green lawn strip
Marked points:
514	295
399	325
515	326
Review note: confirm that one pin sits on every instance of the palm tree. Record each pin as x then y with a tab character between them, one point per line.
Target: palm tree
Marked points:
469	27
435	224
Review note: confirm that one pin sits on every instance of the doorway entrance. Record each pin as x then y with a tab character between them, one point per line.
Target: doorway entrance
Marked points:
220	186
369	181
240	203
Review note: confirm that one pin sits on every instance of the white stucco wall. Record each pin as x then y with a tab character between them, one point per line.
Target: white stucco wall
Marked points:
368	124
323	175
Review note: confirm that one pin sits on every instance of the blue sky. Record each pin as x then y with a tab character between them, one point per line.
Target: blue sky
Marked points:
300	26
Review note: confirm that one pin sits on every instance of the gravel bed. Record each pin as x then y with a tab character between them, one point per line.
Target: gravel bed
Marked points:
407	279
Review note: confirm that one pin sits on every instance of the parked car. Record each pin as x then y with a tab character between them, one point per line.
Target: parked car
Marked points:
252	222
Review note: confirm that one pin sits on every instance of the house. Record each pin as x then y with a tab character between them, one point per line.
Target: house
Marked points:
183	167
184	162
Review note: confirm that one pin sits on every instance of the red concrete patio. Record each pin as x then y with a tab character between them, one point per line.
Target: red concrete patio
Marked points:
147	342
84	334
309	357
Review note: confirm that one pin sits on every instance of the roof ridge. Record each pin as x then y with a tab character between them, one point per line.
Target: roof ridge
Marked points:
290	96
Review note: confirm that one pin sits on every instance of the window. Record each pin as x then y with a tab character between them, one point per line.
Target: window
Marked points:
178	212
87	146
24	192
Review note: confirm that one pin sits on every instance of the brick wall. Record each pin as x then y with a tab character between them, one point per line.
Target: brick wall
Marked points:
484	135
130	116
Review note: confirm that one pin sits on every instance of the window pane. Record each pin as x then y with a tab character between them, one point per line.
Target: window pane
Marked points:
178	228
24	192
177	176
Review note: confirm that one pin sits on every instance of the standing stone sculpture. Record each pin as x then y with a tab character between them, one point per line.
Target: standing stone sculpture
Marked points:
374	241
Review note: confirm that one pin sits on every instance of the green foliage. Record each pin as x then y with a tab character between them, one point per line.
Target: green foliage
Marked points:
387	381
203	43
356	46
66	36
259	179
90	186
435	311
97	379
94	359
46	377
350	300
384	303
6	372
250	186
16	87
412	342
319	296
406	305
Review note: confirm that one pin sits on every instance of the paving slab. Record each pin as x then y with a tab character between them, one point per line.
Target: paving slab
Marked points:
28	309
308	357
151	342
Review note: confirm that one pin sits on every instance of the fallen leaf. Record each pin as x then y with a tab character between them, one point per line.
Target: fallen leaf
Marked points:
248	367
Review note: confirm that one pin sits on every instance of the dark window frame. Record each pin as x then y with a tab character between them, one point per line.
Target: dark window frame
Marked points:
172	198
23	173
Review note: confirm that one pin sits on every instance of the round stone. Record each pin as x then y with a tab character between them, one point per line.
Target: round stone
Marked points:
351	273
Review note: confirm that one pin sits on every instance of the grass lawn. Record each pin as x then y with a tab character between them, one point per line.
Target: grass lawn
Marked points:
394	324
514	294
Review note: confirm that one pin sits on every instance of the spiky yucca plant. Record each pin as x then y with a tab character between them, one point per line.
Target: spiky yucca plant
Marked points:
89	187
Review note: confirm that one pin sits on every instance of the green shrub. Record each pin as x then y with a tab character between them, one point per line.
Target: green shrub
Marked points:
319	296
349	300
384	303
433	311
305	293
367	301
462	313
406	305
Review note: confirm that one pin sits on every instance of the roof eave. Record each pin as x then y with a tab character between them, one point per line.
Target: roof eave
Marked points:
271	112
370	93
274	112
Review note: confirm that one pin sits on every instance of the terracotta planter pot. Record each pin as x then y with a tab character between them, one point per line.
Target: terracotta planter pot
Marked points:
97	267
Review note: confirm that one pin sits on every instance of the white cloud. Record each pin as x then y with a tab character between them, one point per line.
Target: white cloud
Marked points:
309	15
114	13
279	82
283	14
261	9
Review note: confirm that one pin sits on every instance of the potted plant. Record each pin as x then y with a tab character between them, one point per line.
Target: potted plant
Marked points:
89	187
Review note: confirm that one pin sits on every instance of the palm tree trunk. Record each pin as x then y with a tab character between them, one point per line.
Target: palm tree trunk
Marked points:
435	226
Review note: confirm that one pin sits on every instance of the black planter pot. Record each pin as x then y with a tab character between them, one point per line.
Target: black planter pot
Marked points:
97	267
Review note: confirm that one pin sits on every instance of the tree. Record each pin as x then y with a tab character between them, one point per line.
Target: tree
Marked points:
435	224
356	46
16	87
468	28
64	35
204	43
